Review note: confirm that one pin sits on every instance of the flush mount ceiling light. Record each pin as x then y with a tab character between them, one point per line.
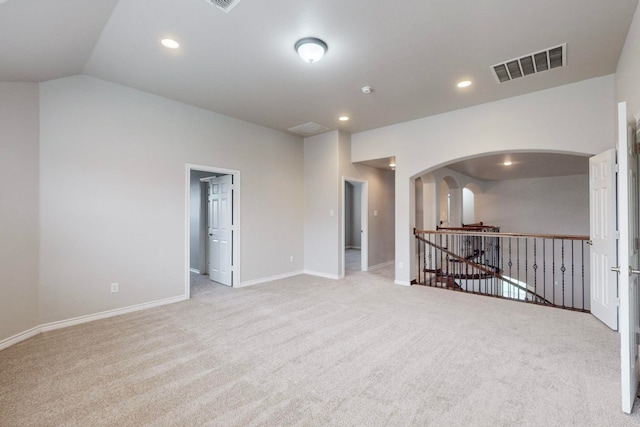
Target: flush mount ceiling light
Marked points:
464	83
343	118
507	163
311	49
170	43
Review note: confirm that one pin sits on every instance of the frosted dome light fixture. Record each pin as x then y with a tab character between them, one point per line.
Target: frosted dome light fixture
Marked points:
311	49
170	43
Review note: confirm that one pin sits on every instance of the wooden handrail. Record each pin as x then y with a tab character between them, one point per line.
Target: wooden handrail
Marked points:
492	234
482	268
468	228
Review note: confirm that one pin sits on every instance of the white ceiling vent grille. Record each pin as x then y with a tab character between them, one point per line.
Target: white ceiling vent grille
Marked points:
533	63
308	129
225	5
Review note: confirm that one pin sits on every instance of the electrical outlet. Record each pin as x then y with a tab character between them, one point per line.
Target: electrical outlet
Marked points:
291	258
400	265
114	288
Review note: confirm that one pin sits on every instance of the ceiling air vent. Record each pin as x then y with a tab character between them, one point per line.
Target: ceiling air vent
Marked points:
531	64
308	129
225	5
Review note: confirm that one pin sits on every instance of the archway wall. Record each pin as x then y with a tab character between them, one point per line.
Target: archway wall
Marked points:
577	118
432	195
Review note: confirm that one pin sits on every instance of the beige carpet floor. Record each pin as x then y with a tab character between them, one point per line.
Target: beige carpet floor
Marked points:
307	351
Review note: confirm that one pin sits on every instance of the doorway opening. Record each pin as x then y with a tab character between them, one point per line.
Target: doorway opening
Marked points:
355	232
212	226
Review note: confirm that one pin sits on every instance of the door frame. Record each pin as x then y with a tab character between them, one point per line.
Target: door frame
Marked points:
627	256
236	221
364	222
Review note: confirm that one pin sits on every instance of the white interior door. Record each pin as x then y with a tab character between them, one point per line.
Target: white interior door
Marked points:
602	201
221	229
628	255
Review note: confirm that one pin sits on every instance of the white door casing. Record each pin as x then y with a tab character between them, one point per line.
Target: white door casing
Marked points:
628	255
221	229
602	204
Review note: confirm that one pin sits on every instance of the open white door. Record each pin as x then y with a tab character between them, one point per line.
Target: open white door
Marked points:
602	201
221	229
628	255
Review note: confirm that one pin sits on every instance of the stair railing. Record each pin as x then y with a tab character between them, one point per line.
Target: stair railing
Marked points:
543	269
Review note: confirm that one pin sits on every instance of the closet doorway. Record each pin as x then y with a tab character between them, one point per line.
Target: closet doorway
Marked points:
355	254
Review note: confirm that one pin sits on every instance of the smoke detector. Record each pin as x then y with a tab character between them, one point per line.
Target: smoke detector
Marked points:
367	89
225	5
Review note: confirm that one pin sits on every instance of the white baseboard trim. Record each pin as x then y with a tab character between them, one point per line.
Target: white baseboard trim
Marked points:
402	282
325	275
194	270
269	278
8	342
384	264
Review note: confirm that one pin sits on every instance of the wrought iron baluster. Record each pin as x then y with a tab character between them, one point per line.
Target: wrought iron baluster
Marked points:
535	271
573	269
544	269
510	265
432	270
553	269
583	307
526	267
562	270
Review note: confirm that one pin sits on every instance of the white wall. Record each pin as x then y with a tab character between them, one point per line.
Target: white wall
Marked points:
553	205
575	118
468	206
381	192
19	213
321	197
327	160
420	205
113	194
628	71
429	205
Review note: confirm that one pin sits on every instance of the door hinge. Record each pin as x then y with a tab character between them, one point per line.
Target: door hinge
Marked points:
616	168
617	234
618	302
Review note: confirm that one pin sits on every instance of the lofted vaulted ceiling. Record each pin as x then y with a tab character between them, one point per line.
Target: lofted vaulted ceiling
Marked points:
242	64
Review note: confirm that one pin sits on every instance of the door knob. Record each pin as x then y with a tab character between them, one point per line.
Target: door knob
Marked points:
616	269
633	271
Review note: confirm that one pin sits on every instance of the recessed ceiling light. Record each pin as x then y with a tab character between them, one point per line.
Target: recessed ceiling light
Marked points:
507	163
170	43
343	118
464	83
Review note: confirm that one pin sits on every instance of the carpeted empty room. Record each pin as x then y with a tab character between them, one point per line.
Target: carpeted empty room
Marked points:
308	351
